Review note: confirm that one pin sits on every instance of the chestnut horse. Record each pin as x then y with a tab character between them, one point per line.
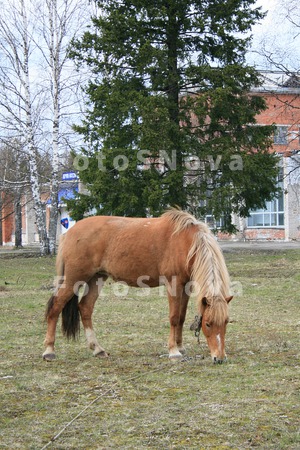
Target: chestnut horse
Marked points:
174	249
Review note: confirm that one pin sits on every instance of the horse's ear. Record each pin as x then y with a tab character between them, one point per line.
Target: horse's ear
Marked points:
228	299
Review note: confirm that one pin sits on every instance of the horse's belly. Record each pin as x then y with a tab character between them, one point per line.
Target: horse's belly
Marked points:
135	277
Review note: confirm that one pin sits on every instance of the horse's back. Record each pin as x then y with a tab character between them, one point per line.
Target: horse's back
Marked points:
124	248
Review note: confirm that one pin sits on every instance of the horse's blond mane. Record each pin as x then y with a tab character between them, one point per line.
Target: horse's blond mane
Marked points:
210	273
209	270
182	220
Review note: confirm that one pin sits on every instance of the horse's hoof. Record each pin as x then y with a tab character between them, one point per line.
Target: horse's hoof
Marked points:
175	356
102	354
49	357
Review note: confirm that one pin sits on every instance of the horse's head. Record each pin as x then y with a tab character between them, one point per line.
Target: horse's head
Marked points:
214	312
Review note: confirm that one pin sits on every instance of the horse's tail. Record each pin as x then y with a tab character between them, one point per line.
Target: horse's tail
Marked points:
71	319
70	312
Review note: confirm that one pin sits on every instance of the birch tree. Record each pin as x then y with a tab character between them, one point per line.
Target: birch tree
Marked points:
38	87
60	20
17	96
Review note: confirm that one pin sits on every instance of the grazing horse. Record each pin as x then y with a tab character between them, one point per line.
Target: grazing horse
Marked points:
175	249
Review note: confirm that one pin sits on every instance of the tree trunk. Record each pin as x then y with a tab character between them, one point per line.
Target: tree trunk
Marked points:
18	220
55	41
39	207
55	163
31	148
54	181
176	189
1	233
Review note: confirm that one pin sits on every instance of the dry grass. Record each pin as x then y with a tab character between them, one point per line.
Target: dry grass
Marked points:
137	398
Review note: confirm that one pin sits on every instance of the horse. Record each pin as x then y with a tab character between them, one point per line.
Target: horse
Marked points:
174	249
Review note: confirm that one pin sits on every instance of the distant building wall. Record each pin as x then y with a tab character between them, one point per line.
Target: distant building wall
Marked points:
283	110
7	218
292	196
29	232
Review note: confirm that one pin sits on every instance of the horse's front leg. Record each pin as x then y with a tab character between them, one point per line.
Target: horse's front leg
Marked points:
183	308
175	338
86	307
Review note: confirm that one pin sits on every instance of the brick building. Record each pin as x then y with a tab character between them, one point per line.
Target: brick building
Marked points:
29	229
29	232
281	218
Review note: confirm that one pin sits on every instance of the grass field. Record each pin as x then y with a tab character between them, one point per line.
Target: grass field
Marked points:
137	398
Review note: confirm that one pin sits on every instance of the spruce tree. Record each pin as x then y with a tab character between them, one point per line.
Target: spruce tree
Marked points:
170	119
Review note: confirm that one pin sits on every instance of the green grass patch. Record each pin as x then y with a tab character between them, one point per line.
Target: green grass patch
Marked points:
137	398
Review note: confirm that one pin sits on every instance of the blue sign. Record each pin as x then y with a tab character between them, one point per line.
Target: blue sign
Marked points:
69	176
65	223
67	193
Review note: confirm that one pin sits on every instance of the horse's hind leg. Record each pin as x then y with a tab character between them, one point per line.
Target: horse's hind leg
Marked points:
86	307
55	306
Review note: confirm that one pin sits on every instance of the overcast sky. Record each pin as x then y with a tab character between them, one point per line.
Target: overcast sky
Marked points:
278	36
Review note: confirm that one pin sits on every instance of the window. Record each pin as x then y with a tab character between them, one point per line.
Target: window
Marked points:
212	223
280	135
272	215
